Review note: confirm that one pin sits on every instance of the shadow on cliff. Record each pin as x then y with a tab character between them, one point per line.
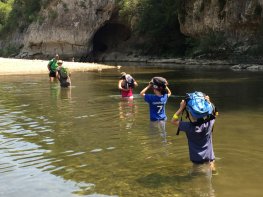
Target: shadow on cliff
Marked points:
109	37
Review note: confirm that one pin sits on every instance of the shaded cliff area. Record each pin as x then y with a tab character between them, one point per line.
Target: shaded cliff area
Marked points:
130	30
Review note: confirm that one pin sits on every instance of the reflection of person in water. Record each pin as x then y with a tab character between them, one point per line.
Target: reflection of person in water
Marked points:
201	181
158	127
65	93
127	111
54	90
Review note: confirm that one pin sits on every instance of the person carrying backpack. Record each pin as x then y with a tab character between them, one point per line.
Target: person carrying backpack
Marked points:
52	67
63	75
158	100
126	85
201	115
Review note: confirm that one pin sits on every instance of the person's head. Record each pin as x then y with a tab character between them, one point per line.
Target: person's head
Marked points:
159	89
123	74
60	62
57	57
159	85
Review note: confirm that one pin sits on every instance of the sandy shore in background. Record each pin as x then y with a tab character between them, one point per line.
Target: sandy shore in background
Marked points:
22	66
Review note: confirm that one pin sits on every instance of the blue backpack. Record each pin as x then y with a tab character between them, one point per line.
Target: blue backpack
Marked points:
197	105
200	108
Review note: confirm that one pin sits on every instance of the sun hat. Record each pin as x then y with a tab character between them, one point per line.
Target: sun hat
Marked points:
60	62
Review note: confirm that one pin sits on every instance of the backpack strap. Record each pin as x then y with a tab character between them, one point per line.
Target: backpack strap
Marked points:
198	122
203	120
178	130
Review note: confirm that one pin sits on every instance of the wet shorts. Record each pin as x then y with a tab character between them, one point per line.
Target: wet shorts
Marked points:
64	84
52	74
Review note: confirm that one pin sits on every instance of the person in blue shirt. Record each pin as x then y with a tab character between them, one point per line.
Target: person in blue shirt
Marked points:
199	136
157	101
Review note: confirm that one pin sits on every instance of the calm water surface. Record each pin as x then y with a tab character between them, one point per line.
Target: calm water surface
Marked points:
86	141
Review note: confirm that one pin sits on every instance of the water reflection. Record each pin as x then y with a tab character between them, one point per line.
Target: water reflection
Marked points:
65	93
54	90
201	181
127	112
59	92
68	142
158	128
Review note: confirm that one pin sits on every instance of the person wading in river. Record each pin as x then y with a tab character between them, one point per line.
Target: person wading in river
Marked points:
199	134
157	101
126	85
52	67
63	75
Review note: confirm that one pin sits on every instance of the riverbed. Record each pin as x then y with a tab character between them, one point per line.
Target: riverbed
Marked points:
87	141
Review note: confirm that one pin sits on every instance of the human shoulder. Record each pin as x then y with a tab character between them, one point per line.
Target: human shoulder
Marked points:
166	96
148	97
185	126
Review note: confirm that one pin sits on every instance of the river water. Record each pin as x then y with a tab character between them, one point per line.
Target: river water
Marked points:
86	141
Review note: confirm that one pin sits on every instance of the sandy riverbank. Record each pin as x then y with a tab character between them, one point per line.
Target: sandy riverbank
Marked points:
24	67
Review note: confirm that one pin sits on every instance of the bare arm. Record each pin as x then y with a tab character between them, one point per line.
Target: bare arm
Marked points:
48	66
169	91
135	83
119	86
142	93
57	75
175	119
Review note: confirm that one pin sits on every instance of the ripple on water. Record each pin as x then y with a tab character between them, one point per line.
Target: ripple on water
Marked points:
96	150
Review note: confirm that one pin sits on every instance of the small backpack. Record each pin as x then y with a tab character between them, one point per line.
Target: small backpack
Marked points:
129	81
63	73
200	108
197	105
159	81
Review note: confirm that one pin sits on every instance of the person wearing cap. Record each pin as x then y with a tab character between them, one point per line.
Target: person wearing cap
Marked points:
63	75
158	100
126	85
52	67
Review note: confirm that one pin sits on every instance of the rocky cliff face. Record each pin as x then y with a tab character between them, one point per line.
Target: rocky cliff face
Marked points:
76	28
239	18
67	27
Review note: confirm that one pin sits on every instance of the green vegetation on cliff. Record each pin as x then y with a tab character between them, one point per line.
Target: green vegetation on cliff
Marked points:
16	15
5	9
20	14
154	25
157	21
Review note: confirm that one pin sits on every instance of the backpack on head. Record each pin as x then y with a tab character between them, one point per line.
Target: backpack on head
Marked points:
159	81
160	84
128	81
197	105
199	108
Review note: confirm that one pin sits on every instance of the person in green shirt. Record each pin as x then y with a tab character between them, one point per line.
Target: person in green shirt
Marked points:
63	75
52	67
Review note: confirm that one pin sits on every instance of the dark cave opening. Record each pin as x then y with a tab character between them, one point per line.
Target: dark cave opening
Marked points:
110	37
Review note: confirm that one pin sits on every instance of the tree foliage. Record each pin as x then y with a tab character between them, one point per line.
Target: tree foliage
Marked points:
5	9
19	13
158	22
